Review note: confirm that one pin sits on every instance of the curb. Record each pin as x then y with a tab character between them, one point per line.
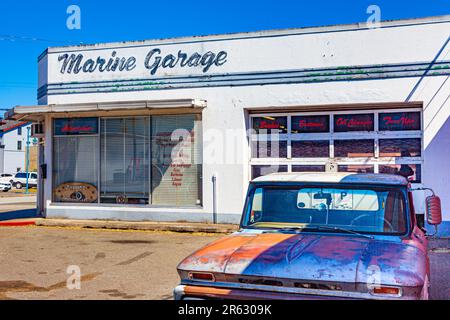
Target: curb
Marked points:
142	226
17	223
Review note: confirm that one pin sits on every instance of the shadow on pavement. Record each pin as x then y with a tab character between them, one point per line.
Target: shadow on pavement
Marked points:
19	214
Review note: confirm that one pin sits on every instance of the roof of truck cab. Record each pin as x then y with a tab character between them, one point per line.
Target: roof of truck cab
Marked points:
335	177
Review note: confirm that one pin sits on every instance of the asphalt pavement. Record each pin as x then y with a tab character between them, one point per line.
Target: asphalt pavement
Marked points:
36	262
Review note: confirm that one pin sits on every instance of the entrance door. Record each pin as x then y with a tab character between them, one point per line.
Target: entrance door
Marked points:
41	181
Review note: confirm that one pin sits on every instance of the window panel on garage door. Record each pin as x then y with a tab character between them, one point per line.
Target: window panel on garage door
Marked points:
400	147
399	121
355	148
258	171
357	168
311	149
412	170
269	140
310	124
354	122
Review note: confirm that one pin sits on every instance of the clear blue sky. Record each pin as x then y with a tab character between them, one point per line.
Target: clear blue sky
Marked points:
28	27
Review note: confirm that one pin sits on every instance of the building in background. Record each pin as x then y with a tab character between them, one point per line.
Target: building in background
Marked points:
145	130
13	147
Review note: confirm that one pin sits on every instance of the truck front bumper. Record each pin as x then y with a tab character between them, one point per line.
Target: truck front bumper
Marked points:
188	292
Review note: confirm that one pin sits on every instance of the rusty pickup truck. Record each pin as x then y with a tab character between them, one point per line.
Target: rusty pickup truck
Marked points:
318	236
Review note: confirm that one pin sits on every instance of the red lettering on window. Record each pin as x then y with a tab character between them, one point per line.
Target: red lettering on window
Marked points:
268	125
388	120
306	124
68	128
352	123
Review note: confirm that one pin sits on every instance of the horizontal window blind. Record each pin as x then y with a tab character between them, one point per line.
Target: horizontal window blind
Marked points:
176	171
75	160
125	160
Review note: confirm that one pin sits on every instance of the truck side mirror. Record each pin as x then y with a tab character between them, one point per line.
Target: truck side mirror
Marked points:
433	210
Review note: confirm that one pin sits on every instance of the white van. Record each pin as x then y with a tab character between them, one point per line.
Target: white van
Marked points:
20	180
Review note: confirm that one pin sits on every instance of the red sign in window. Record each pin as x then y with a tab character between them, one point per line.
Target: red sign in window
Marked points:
353	122
270	125
76	126
310	124
399	121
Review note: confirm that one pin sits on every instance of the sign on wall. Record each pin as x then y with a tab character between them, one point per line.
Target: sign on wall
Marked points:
155	60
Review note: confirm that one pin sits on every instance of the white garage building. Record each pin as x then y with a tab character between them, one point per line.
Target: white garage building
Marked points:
140	130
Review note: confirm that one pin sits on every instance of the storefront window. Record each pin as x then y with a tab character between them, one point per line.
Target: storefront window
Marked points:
132	160
176	161
75	161
125	160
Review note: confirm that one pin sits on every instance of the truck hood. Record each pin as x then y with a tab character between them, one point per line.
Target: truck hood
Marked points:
314	257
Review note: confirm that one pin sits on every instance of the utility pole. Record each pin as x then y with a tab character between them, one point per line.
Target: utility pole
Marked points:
27	161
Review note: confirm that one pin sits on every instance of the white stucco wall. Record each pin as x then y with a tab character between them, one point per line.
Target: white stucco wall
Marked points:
13	158
405	43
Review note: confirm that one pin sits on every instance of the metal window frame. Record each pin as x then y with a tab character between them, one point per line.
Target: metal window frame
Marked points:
331	136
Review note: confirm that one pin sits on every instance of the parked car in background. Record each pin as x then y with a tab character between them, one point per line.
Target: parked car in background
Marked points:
318	236
5	186
20	180
6	177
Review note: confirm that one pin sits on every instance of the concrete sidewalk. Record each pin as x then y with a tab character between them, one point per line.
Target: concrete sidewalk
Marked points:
17	200
146	226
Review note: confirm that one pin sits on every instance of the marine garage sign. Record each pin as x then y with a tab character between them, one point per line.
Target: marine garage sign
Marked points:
154	60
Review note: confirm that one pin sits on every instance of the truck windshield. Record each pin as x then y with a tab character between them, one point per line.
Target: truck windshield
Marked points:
377	211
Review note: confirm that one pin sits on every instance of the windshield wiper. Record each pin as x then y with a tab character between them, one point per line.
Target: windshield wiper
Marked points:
288	229
326	228
320	228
